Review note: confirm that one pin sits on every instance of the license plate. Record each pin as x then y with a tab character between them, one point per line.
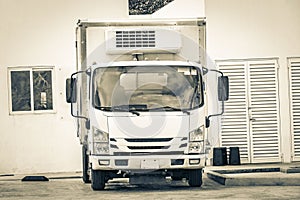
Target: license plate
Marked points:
149	164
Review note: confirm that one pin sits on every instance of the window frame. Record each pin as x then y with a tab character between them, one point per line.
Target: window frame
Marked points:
31	69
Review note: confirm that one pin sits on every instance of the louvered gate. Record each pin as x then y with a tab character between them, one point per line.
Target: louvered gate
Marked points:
251	115
294	66
235	123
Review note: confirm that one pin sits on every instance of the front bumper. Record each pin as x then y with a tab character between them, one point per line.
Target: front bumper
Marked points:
147	162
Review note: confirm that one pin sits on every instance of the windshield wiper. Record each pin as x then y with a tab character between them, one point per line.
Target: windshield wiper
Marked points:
103	108
125	108
169	108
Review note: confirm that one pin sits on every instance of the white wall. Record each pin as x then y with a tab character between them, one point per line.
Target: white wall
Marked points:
250	29
181	9
42	32
257	29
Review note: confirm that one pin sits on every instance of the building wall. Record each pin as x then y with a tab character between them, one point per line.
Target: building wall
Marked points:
181	9
251	29
34	33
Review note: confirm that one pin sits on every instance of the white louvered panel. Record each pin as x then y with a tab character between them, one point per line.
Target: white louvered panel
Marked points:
294	65
263	111
234	121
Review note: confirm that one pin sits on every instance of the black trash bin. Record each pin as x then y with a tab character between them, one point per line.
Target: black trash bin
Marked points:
234	156
219	156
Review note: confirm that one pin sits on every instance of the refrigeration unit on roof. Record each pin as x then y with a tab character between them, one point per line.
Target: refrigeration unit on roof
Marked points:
122	41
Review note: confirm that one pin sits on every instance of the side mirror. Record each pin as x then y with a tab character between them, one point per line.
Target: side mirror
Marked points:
71	88
223	88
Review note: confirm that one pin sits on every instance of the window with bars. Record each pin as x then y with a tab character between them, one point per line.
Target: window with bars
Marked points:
31	89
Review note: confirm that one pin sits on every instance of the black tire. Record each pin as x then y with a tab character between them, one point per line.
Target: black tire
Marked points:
195	177
98	179
85	166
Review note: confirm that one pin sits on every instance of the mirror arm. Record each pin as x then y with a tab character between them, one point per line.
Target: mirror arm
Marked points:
87	120
207	119
88	72
215	70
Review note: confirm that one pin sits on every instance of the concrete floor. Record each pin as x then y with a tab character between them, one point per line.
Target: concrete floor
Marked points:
70	186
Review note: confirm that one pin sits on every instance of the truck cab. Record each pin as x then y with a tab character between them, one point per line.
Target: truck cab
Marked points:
141	118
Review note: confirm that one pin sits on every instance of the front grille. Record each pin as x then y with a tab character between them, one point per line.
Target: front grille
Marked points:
148	139
148	153
147	147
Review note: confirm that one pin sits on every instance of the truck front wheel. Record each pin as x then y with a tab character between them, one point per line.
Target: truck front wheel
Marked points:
98	179
195	177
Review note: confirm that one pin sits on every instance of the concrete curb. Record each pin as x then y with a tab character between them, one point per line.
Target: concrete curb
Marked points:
274	176
50	176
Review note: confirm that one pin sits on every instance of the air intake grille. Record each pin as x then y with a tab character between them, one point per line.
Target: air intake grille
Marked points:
135	39
148	139
147	147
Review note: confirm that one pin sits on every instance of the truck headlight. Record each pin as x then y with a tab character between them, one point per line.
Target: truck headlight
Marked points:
197	135
100	136
195	147
100	141
101	148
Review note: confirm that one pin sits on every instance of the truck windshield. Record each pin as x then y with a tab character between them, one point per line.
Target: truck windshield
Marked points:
142	88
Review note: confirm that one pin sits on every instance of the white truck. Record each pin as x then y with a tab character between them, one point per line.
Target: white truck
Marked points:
139	96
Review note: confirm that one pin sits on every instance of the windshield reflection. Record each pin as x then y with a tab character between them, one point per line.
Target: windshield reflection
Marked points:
146	88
